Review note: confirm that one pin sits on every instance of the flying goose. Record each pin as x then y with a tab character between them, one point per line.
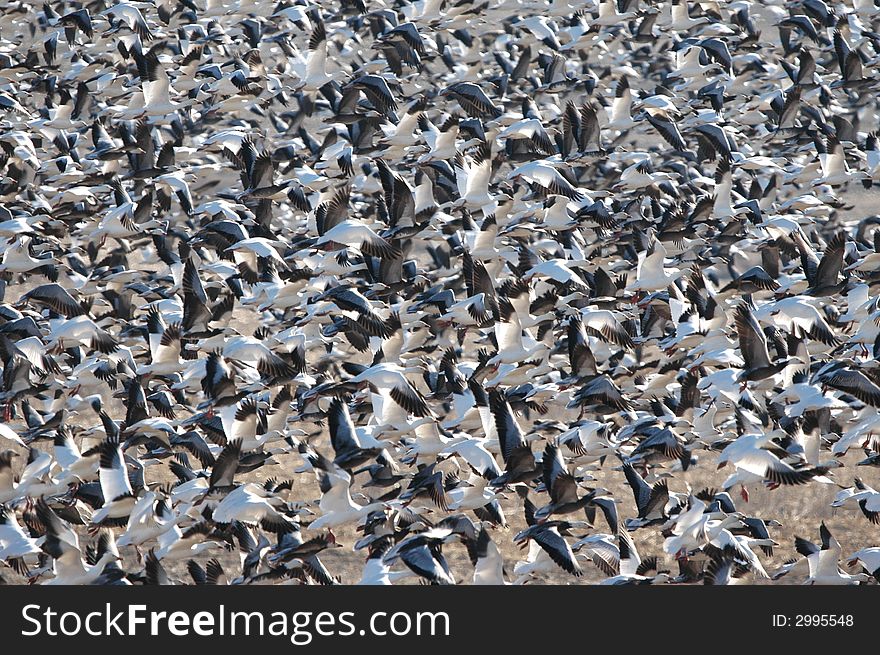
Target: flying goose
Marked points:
824	561
549	536
753	346
62	544
336	505
651	500
561	485
119	499
864	496
422	553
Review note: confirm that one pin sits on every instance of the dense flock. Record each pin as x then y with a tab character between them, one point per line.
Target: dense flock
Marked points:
444	291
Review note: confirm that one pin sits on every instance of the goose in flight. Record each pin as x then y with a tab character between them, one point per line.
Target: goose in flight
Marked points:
549	537
336	506
563	489
119	499
628	567
456	260
252	504
753	346
393	390
422	553
62	544
864	496
15	543
824	561
651	500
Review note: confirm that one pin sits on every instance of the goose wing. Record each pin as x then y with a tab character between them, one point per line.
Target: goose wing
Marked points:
113	473
831	264
855	383
510	435
226	464
629	556
559	483
752	341
557	548
343	437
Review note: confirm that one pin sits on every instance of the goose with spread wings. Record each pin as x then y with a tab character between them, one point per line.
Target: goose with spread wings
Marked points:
753	346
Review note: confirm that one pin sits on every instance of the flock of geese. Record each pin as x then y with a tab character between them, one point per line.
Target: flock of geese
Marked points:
392	277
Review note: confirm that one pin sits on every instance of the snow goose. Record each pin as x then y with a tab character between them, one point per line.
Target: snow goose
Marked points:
347	441
680	18
426	483
561	485
753	346
337	508
549	536
651	500
252	504
423	554
17	256
864	496
62	545
587	439
14	542
547	176
823	275
696	527
145	522
73	465
659	445
80	331
620	116
797	313
759	456
393	387
472	175
837	376
651	273
487	559
376	571
630	568
119	499
166	344
474	494
824	562
34	480
603	324
519	461
176	544
602	393
869	558
473	100
130	15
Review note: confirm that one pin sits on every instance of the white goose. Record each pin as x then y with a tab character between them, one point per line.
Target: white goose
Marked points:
867	498
14	542
336	505
651	272
119	499
61	543
489	564
252	504
824	562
